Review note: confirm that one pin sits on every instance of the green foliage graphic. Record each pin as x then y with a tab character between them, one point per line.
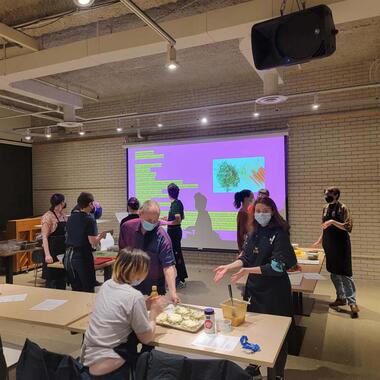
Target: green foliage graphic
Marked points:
228	176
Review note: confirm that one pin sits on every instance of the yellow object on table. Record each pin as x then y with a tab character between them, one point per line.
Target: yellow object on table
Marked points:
235	311
299	252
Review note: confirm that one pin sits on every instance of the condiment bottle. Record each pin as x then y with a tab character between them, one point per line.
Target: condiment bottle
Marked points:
154	292
209	323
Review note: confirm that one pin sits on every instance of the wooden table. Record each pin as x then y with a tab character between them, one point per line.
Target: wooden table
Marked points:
78	305
8	258
107	268
269	331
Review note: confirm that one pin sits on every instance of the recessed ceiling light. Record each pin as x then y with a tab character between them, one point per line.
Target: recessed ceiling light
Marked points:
171	58
119	129
204	120
84	3
48	133
81	131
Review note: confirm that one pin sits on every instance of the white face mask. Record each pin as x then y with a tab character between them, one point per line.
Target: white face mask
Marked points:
263	218
136	282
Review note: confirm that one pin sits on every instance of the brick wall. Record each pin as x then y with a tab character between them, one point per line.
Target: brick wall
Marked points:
339	146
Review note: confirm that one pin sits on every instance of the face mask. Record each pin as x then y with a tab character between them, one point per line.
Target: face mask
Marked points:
136	282
329	198
263	218
148	226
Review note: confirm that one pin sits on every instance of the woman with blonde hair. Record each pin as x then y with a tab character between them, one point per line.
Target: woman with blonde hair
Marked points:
119	311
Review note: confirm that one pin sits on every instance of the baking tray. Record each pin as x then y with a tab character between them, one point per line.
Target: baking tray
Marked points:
170	310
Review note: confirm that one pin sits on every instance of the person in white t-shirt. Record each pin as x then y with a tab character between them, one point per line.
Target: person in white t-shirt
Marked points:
119	310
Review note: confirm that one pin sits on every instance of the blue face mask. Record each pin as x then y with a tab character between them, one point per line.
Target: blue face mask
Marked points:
136	282
263	218
148	226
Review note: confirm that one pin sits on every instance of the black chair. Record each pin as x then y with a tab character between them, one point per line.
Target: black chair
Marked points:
38	258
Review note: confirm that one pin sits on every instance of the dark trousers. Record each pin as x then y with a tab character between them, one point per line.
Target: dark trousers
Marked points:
175	235
121	373
279	367
55	278
81	271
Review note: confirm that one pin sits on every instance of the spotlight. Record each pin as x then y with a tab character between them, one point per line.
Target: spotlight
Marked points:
160	125
48	132
119	129
171	58
315	105
204	120
81	131
255	113
28	137
83	3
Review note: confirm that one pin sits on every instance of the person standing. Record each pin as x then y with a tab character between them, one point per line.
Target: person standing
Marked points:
133	206
267	256
175	217
243	199
335	238
263	193
147	235
82	236
53	231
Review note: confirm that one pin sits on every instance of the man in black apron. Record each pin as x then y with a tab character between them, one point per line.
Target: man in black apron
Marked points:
335	239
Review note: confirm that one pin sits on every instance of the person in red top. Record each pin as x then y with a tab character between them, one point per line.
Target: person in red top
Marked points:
243	199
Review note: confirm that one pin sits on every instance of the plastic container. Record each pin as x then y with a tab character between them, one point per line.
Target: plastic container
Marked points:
209	323
236	313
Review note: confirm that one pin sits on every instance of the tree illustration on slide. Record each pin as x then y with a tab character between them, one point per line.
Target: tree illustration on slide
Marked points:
227	176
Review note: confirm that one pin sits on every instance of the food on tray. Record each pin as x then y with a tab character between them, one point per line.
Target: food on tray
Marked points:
163	317
174	318
182	310
313	255
189	324
197	314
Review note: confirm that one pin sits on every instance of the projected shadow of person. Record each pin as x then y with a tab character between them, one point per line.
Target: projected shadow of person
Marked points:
202	232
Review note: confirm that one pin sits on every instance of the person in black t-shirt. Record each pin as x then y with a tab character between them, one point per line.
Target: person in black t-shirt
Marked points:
173	221
82	236
133	210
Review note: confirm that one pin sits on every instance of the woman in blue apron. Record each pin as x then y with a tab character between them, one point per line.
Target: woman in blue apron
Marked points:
265	259
54	235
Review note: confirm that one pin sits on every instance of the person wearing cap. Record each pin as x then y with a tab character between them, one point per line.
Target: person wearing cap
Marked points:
335	238
82	236
53	229
133	206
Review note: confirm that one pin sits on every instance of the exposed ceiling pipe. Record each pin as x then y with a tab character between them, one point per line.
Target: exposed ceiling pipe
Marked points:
34	114
128	116
96	99
149	21
13	99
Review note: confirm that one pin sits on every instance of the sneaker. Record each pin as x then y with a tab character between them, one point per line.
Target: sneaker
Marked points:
354	311
254	371
181	285
338	302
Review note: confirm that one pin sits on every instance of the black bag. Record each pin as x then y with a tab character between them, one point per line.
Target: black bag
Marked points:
39	364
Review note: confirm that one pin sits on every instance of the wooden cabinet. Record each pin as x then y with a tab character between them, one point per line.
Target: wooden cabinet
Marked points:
23	229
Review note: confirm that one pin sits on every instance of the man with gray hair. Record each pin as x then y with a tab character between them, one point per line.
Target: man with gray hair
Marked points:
146	234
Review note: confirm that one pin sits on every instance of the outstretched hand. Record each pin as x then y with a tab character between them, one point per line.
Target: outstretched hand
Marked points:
236	276
220	272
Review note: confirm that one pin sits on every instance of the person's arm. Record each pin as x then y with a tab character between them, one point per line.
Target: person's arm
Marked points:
95	240
318	242
242	224
347	221
283	257
45	231
170	274
92	232
221	270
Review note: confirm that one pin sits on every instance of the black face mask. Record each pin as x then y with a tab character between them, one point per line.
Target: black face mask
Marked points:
329	198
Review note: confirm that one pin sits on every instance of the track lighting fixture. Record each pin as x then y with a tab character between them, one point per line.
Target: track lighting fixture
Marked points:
171	58
84	3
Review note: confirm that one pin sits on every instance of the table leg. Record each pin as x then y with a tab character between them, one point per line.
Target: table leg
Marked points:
300	295
107	271
9	270
296	305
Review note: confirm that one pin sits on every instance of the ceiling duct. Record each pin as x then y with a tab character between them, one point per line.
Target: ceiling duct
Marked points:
270	87
69	118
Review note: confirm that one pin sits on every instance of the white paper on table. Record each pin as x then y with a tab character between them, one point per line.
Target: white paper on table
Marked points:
313	276
216	341
311	262
121	215
108	242
13	298
48	305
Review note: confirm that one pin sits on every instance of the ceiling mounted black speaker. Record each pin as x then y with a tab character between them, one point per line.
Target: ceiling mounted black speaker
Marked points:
295	38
